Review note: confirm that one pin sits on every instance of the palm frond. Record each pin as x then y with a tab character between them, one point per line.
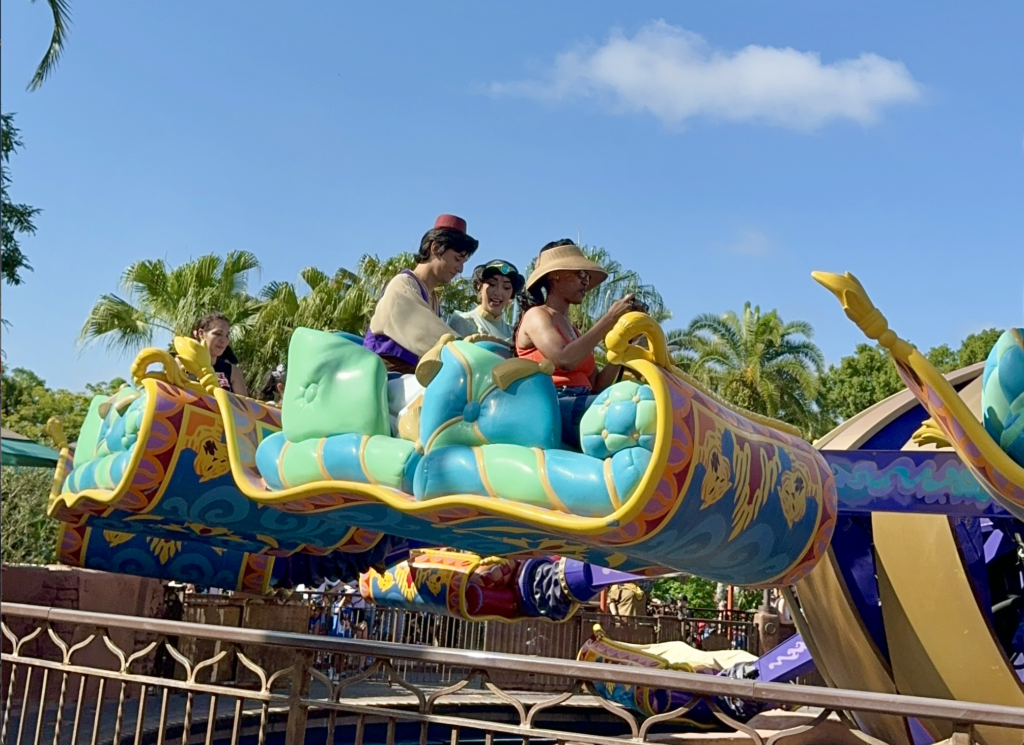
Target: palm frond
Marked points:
235	269
61	21
314	277
124	327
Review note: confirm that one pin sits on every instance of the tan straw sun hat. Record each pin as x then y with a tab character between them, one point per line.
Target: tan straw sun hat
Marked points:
565	259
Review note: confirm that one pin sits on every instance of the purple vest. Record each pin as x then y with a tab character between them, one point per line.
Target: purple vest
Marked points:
381	345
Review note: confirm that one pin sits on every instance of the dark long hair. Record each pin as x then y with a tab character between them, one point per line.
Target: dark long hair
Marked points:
531	297
268	386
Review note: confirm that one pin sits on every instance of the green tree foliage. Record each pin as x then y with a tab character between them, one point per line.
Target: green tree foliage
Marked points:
61	12
29	535
943	358
755	360
860	380
343	301
15	219
373	276
169	300
620	282
975	347
702	593
699	593
160	299
868	375
26	404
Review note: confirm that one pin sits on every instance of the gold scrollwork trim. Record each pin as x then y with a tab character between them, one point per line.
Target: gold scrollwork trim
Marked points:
55	429
194	356
172	372
621	351
859	309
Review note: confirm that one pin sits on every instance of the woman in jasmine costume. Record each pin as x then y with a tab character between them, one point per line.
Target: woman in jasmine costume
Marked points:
496	283
406	322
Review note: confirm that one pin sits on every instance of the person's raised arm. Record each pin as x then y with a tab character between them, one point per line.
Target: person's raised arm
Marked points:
605	377
544	335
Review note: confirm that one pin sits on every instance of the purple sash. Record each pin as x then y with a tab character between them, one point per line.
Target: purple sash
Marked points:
382	345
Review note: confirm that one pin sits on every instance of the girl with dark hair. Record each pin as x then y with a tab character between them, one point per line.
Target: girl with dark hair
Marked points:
272	386
406	322
214	331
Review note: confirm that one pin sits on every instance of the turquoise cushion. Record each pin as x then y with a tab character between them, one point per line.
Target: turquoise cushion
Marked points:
622	416
1002	394
462	406
119	432
334	386
382	460
89	435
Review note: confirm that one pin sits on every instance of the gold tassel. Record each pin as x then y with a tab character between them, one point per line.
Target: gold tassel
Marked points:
507	372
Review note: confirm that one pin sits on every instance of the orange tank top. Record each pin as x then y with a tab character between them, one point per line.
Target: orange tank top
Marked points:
578	377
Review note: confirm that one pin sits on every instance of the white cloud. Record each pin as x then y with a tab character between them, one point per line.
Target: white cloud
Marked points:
676	75
750	243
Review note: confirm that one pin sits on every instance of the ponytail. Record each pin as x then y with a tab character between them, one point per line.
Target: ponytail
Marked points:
525	300
532	297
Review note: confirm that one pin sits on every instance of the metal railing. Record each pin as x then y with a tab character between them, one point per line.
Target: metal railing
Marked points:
59	688
704	628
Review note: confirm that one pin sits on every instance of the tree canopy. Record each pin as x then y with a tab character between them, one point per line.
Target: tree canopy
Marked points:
15	218
868	375
755	360
161	299
61	12
26	403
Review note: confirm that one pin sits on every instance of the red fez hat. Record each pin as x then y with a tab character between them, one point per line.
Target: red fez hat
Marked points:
450	222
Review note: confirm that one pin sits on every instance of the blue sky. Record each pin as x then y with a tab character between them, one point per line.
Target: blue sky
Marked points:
722	150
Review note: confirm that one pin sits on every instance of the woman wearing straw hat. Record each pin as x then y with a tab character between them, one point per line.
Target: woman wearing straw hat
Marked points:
560	279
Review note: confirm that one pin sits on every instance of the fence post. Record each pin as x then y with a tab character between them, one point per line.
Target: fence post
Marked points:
295	732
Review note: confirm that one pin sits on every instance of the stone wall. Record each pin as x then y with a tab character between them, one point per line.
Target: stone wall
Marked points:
58	586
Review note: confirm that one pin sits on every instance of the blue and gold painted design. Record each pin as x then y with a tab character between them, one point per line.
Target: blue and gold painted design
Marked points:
154	464
764	519
672	478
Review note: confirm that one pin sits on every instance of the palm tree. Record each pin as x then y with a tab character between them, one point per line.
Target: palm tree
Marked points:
755	360
620	282
343	301
172	300
263	343
61	21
